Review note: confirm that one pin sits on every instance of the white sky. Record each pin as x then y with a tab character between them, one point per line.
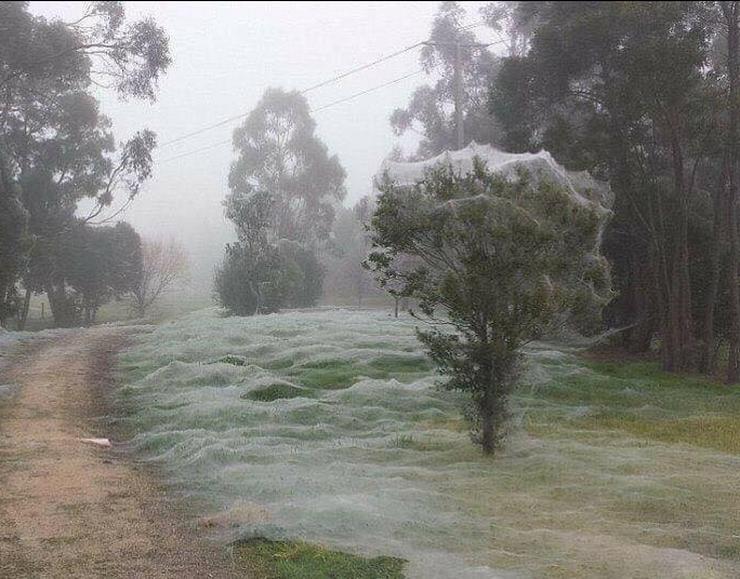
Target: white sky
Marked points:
225	54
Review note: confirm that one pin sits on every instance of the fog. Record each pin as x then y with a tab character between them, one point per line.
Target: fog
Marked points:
225	54
370	290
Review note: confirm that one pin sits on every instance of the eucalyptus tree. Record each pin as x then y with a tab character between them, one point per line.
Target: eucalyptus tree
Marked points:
71	158
281	161
627	90
430	111
99	264
56	145
283	187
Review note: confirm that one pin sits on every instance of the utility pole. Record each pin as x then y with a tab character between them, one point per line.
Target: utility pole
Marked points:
458	80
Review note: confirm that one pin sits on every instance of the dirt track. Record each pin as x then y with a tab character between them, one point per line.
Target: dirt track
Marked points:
70	509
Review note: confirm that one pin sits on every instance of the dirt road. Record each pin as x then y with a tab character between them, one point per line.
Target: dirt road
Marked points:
70	509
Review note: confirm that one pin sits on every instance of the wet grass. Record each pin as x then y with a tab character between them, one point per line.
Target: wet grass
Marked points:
272	392
613	469
638	454
639	400
716	432
337	374
232	359
328	374
297	560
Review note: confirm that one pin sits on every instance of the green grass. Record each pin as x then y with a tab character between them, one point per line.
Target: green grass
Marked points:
336	374
639	400
328	374
297	560
277	391
717	432
231	359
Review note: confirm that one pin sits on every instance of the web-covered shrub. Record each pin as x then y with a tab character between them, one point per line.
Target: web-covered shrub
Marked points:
496	261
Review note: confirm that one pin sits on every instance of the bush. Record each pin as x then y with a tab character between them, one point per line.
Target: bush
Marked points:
307	275
268	279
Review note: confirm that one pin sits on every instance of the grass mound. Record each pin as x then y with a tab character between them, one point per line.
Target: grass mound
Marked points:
277	391
328	374
297	560
232	359
337	374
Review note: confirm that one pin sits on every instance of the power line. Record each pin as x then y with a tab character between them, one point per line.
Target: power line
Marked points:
304	91
212	146
361	68
364	92
308	89
313	110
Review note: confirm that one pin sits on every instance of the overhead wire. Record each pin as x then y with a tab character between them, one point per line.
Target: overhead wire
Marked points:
313	110
321	84
303	91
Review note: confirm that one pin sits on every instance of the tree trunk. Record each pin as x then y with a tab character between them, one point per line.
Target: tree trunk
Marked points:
707	360
637	339
488	428
23	318
3	300
663	293
395	310
679	338
60	307
732	278
730	11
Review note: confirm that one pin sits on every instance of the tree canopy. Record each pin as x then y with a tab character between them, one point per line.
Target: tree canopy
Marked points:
283	164
641	93
56	147
430	111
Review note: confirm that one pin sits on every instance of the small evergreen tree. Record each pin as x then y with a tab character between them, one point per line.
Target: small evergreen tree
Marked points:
494	263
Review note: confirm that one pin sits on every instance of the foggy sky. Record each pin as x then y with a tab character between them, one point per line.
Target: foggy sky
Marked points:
225	54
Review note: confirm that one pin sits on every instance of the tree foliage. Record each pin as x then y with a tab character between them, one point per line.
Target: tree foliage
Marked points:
430	111
57	148
97	264
494	264
282	162
252	282
283	189
640	93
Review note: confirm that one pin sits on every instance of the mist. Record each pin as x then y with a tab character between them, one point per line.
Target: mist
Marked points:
225	55
370	290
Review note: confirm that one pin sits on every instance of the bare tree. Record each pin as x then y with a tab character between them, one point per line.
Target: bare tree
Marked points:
163	264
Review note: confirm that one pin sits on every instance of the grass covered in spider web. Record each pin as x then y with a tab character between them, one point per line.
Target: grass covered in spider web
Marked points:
331	423
640	400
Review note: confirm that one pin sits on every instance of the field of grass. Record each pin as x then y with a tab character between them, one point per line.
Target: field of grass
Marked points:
328	428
